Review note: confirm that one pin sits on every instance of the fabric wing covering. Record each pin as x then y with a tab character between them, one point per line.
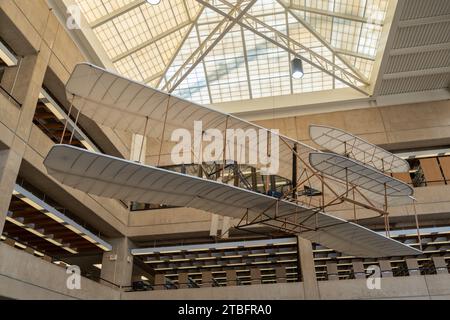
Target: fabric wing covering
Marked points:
345	143
122	104
359	174
111	177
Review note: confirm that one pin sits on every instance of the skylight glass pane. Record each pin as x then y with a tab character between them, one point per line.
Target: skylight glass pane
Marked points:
128	68
161	17
133	27
264	7
268	67
110	39
150	43
95	9
195	87
313	80
92	9
226	69
346	34
189	46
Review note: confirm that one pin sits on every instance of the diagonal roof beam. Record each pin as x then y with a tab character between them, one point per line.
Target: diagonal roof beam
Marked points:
247	69
154	77
283	41
323	41
291	80
332	14
132	5
354	54
194	23
152	40
234	15
204	68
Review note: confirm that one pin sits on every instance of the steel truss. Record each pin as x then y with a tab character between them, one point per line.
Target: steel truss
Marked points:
285	42
232	16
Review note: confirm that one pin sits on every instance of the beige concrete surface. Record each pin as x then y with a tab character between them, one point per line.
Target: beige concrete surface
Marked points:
23	276
420	288
117	265
308	269
394	127
279	291
49	55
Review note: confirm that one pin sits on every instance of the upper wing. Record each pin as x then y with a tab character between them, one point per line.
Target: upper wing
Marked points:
345	143
120	103
112	177
359	174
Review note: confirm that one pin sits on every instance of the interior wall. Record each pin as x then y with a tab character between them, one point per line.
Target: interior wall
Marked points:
398	127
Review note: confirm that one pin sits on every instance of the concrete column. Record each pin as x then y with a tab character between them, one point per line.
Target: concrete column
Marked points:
24	83
413	267
160	281
138	150
308	269
358	269
117	265
440	265
214	225
255	276
386	269
135	278
183	280
280	273
231	278
10	161
226	227
207	279
332	271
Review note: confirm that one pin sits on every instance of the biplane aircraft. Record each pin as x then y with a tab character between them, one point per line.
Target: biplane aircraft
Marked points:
352	173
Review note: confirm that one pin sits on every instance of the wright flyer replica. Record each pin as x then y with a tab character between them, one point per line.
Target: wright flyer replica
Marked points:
305	195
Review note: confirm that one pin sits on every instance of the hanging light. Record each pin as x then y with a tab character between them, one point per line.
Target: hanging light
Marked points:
297	68
154	2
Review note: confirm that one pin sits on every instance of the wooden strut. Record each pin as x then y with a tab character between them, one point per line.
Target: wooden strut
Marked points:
75	125
417	225
224	155
308	166
284	223
371	206
143	140
164	130
283	219
67	119
259	220
386	216
201	168
342	198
